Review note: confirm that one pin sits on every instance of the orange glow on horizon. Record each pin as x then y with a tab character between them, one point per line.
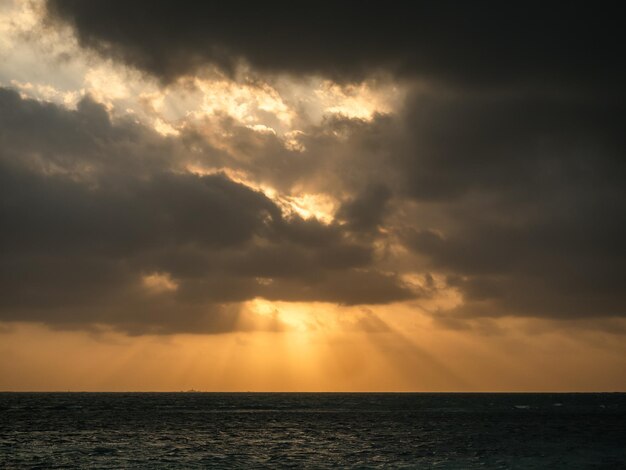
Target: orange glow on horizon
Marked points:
321	348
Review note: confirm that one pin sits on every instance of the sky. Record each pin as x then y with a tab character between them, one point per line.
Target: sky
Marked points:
335	197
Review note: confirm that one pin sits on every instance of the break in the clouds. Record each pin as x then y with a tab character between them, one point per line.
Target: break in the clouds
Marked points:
500	179
101	226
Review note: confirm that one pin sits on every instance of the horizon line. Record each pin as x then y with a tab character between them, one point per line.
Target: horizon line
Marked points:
192	391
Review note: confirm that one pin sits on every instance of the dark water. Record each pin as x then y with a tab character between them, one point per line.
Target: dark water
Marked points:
215	430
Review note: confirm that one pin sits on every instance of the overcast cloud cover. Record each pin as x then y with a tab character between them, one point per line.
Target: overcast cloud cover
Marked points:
501	175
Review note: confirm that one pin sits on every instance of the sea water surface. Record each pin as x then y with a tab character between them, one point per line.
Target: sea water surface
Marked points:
312	430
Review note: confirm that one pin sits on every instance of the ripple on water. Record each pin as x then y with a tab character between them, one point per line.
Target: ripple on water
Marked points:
312	430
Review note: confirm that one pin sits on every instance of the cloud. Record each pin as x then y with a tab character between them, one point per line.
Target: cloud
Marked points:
479	43
366	212
103	226
515	197
457	143
520	201
501	176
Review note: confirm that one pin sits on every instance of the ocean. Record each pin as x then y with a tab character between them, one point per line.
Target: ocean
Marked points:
312	430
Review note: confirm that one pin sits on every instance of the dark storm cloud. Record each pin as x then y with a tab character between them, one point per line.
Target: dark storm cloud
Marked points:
366	211
529	193
516	195
471	42
506	164
511	142
89	207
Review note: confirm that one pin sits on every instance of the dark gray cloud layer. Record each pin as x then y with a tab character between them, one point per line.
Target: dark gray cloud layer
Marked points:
506	173
482	43
517	199
90	206
529	194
